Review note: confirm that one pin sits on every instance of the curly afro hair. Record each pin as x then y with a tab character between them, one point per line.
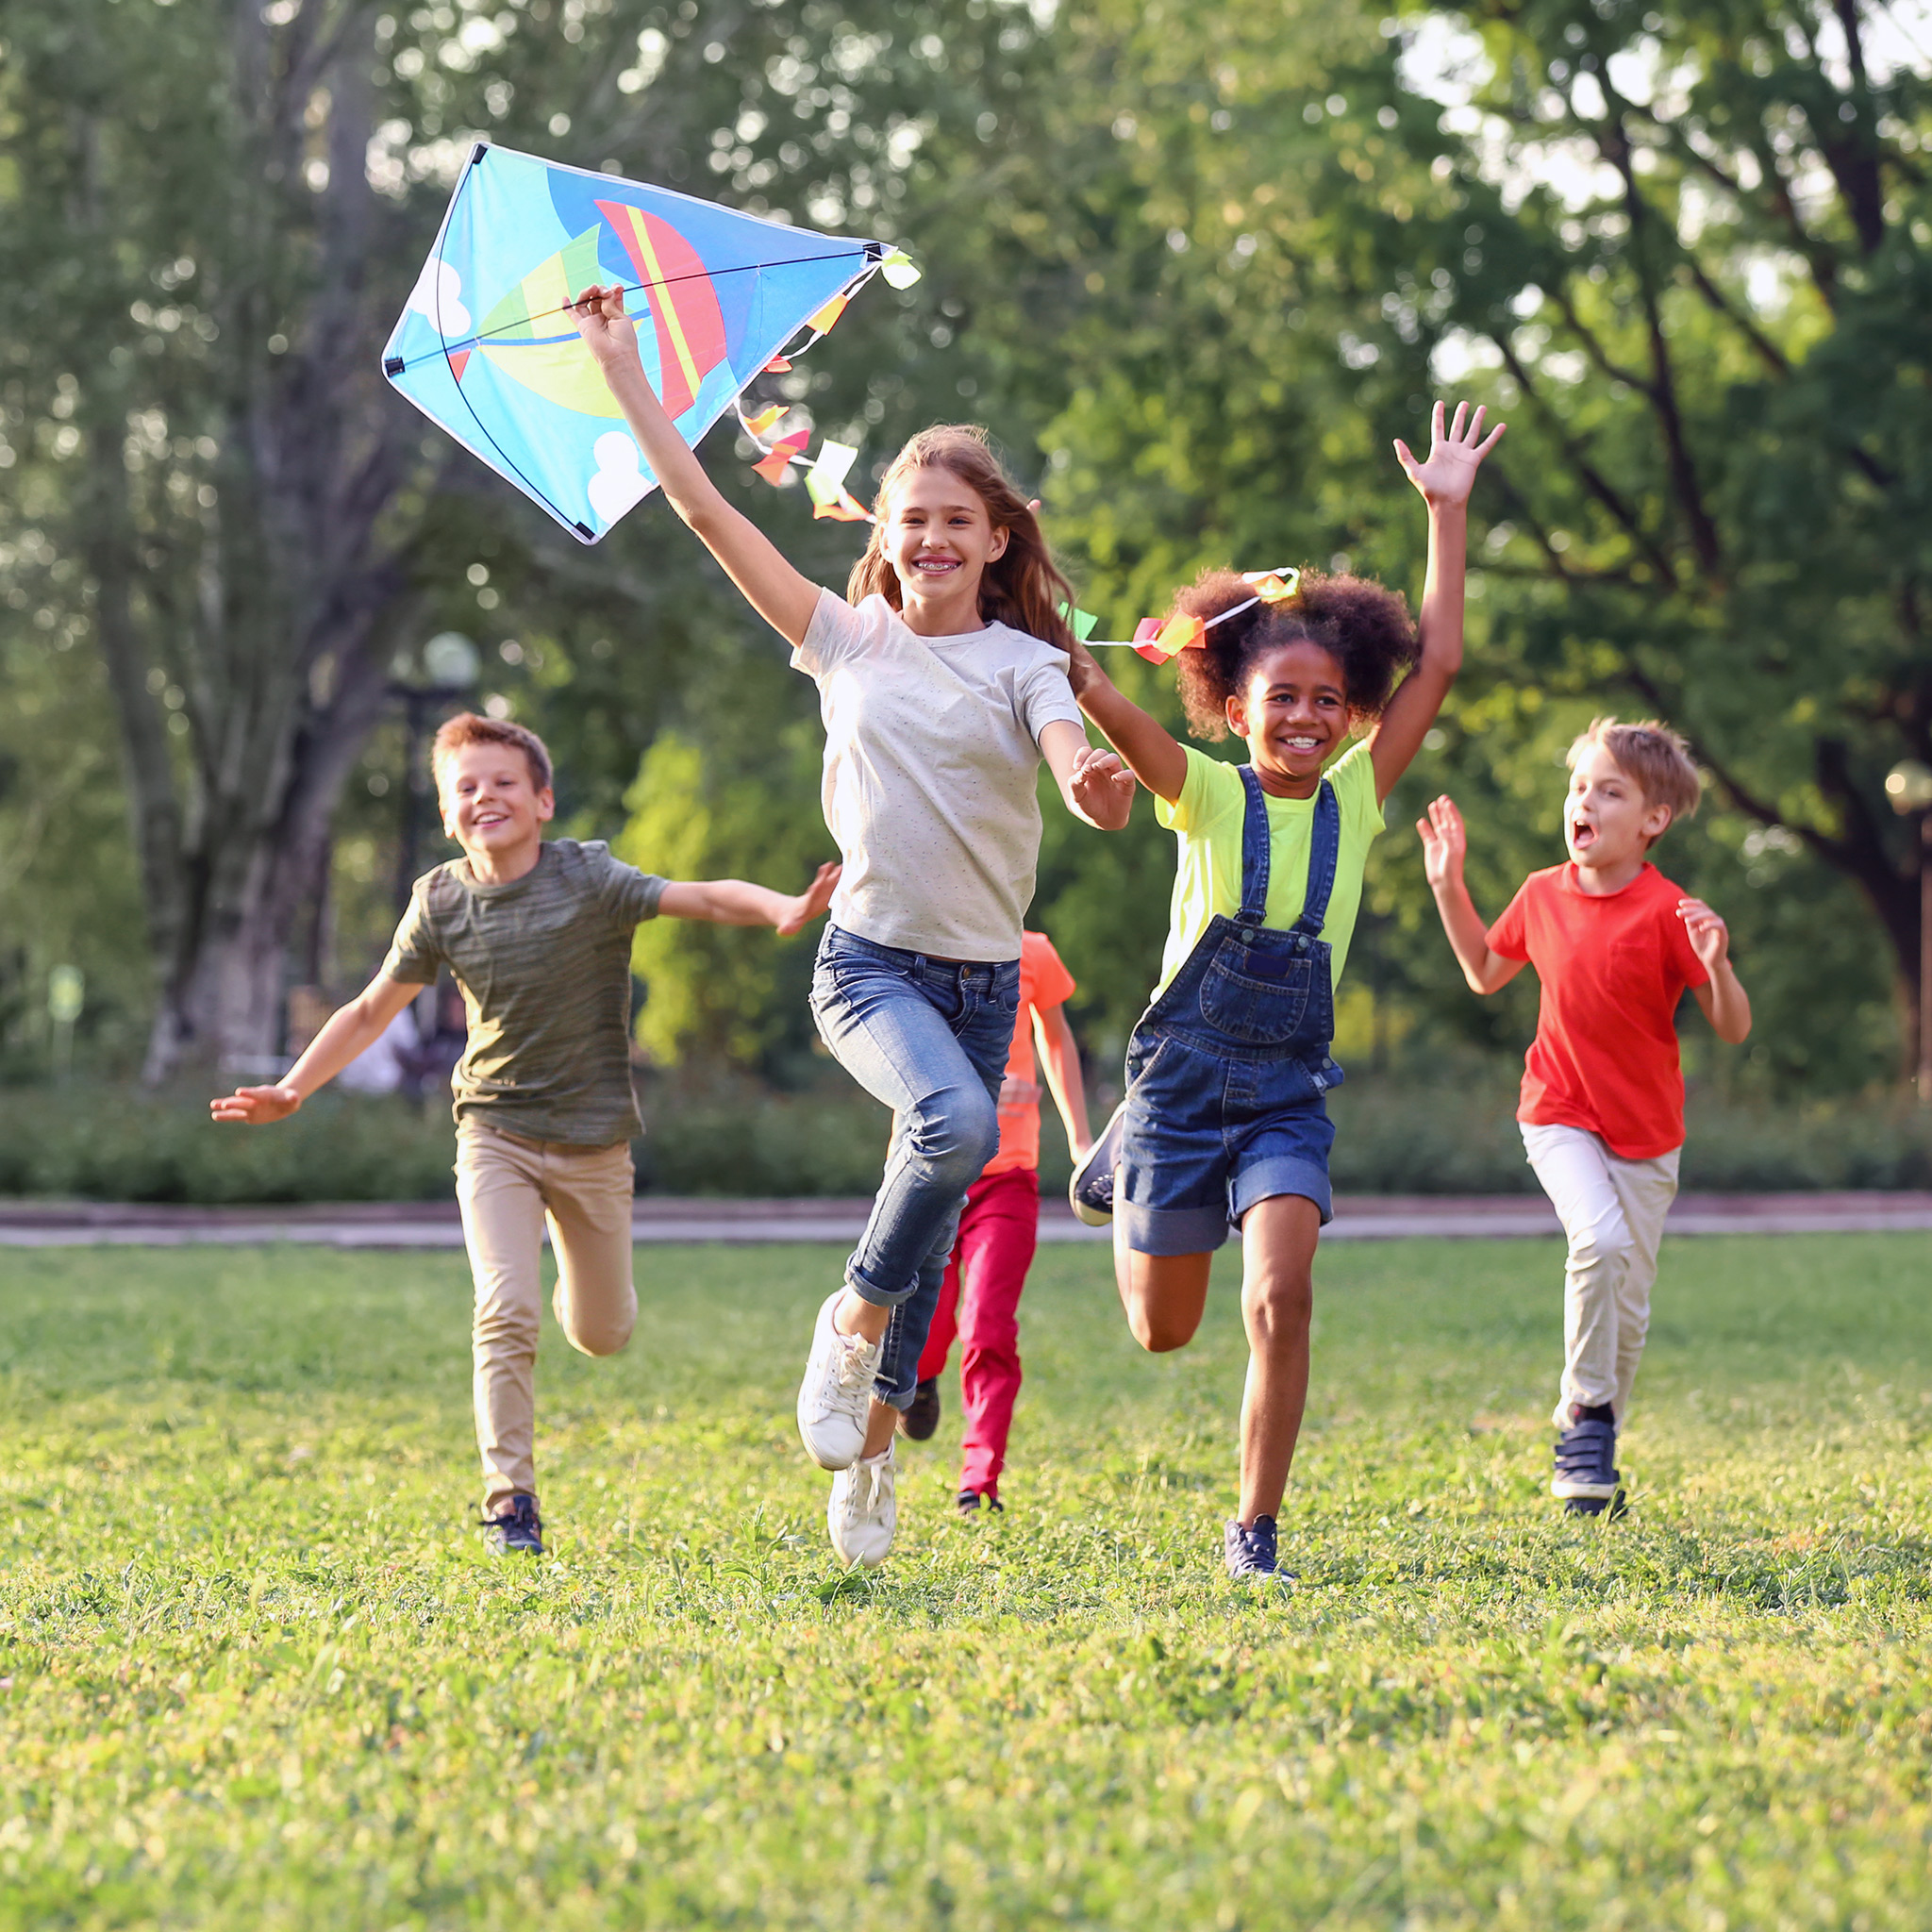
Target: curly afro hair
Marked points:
1365	629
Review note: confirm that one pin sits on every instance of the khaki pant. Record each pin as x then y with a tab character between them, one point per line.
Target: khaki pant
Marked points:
1614	1211
506	1185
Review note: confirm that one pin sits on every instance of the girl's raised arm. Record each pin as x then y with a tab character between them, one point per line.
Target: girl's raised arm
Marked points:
781	596
1446	480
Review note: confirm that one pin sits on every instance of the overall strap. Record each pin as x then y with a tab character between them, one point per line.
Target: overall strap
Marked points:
1254	851
1324	848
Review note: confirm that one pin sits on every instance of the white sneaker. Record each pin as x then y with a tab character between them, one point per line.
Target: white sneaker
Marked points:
864	1512
835	1398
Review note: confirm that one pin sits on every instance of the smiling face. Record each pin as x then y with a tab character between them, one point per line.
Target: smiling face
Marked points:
1294	713
492	808
1607	823
940	539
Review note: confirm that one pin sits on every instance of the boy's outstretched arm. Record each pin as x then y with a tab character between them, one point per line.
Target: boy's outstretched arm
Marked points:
1445	840
1446	480
1149	750
1725	1003
737	902
781	596
347	1032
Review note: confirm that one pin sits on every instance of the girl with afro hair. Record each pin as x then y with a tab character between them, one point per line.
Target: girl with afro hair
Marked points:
1225	1121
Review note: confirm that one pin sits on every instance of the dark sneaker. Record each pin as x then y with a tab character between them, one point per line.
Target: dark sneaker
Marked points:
1090	1191
1613	1505
1586	1474
921	1415
1250	1553
971	1502
518	1531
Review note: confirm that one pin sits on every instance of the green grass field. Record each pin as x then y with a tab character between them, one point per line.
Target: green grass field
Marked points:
255	1672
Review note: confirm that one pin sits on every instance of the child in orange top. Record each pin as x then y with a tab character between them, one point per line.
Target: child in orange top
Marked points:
1614	943
979	1299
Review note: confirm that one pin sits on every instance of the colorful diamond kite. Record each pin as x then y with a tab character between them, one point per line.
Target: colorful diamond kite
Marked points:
487	348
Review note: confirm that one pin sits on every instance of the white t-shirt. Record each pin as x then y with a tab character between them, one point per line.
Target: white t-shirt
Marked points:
932	752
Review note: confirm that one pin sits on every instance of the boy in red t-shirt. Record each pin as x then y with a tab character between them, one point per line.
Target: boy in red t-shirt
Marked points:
980	1300
1614	943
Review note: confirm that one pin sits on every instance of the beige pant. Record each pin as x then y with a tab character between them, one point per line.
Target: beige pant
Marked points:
1614	1211
506	1185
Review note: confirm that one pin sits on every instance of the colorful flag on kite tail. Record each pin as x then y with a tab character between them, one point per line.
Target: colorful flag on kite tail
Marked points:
1159	638
487	348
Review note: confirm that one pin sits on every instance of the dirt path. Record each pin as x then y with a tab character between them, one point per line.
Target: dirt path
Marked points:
435	1223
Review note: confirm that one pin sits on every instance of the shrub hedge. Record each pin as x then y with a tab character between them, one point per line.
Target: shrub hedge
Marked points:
118	1143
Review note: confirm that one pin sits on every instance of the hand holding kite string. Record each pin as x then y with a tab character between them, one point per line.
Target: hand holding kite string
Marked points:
609	332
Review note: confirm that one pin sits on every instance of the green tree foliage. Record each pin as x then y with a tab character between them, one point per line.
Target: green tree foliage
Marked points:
1687	249
724	993
210	215
1711	503
1195	267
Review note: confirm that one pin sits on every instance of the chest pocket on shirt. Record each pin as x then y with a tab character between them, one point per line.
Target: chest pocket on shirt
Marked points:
1259	998
1634	970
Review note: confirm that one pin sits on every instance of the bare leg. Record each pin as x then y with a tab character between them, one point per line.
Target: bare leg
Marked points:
1278	1238
1164	1295
881	1421
855	1316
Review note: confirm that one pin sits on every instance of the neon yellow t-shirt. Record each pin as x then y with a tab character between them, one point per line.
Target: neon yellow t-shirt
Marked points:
1207	876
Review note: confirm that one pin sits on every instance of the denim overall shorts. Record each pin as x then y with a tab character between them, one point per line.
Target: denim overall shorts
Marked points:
1227	1070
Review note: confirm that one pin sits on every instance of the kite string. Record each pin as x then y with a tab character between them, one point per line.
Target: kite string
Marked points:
450	348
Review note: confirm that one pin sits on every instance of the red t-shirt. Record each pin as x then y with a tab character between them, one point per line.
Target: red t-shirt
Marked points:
1044	982
1604	1056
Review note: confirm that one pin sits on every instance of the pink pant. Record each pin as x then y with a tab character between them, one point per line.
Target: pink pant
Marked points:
980	1301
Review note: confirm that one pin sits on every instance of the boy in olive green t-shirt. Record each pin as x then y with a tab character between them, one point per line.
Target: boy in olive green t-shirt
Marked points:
538	938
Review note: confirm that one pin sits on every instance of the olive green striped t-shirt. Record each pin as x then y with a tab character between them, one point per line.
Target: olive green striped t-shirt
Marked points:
544	966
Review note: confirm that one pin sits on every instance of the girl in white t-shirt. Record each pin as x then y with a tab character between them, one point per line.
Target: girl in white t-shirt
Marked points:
942	683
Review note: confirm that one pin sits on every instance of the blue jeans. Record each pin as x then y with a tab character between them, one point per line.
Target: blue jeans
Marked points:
929	1040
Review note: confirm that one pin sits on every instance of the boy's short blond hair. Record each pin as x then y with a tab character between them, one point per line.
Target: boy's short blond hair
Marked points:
1653	756
466	727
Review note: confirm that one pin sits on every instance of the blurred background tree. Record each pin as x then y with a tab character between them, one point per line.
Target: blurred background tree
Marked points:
1195	267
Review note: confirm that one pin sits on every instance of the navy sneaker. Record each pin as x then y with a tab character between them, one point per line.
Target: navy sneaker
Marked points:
1090	1191
517	1530
1585	1473
1250	1553
922	1414
971	1502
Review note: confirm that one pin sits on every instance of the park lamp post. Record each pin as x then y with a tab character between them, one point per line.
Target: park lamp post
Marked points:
450	663
1908	785
66	995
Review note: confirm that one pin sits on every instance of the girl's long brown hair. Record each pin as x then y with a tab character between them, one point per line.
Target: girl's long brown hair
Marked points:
1024	587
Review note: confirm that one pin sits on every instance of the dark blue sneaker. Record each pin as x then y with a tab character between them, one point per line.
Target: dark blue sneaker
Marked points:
971	1502
517	1531
921	1418
1586	1476
1250	1553
1090	1191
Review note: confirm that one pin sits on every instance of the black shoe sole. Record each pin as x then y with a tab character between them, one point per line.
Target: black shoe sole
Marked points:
1611	1506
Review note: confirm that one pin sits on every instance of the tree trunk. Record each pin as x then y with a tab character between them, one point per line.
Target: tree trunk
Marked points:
247	641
